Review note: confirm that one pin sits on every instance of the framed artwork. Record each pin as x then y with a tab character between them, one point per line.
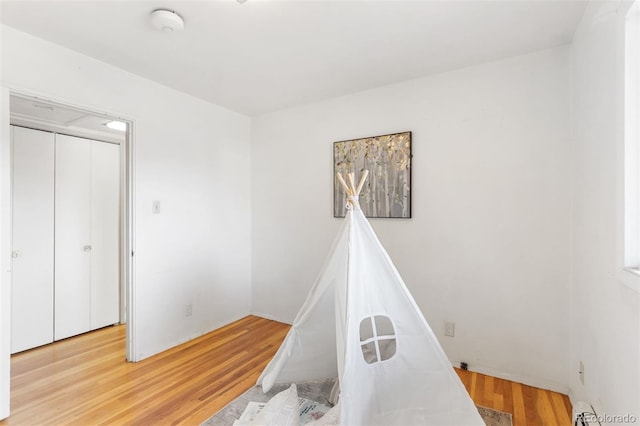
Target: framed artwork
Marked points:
387	191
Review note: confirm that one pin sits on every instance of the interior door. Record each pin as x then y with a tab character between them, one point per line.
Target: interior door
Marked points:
72	236
32	263
105	234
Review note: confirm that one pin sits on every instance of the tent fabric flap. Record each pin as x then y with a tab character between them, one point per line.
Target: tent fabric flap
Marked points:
361	324
309	349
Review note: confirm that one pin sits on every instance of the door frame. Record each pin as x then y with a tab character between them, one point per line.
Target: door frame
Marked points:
127	214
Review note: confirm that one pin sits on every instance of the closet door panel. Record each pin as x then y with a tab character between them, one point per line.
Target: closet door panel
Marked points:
105	234
72	236
32	288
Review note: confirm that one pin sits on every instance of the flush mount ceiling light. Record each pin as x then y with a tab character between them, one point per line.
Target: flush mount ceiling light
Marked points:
166	21
116	125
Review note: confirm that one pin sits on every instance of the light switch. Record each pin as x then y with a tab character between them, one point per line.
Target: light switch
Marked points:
156	207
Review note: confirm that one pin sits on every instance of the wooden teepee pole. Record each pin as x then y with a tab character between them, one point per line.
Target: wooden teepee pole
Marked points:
351	189
343	184
352	185
365	173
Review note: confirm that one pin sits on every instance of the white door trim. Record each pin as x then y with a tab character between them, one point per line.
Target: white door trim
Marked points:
128	245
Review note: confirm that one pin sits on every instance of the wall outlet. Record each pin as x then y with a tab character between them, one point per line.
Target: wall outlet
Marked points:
449	328
581	372
155	207
188	310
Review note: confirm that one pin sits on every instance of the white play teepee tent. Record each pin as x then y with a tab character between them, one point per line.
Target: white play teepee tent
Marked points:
361	324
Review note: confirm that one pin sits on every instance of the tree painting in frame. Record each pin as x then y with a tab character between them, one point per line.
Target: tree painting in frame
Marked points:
387	191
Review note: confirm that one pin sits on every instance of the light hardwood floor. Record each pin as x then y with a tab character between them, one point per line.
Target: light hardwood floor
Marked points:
85	380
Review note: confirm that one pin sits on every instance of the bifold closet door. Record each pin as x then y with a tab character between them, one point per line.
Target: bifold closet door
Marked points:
105	235
32	283
72	236
87	265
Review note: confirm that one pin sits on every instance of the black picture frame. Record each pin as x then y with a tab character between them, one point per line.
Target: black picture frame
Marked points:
387	191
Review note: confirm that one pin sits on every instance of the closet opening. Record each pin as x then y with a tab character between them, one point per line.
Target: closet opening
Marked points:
71	222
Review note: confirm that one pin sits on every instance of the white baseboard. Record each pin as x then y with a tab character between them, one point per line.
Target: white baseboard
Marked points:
175	343
530	381
572	397
271	317
596	405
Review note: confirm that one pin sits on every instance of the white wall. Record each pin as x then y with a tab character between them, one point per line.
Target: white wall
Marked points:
191	156
605	312
489	243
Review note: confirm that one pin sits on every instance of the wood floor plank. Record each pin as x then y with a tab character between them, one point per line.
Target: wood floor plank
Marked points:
474	386
530	397
498	395
544	408
487	397
86	380
519	409
562	413
479	394
507	397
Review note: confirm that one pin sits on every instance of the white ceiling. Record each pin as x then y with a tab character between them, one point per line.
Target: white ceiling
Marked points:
263	55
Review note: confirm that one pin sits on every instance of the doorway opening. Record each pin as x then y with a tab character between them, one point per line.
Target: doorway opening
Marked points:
89	161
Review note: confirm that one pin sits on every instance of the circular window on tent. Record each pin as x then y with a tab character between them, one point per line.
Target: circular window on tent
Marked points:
377	339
